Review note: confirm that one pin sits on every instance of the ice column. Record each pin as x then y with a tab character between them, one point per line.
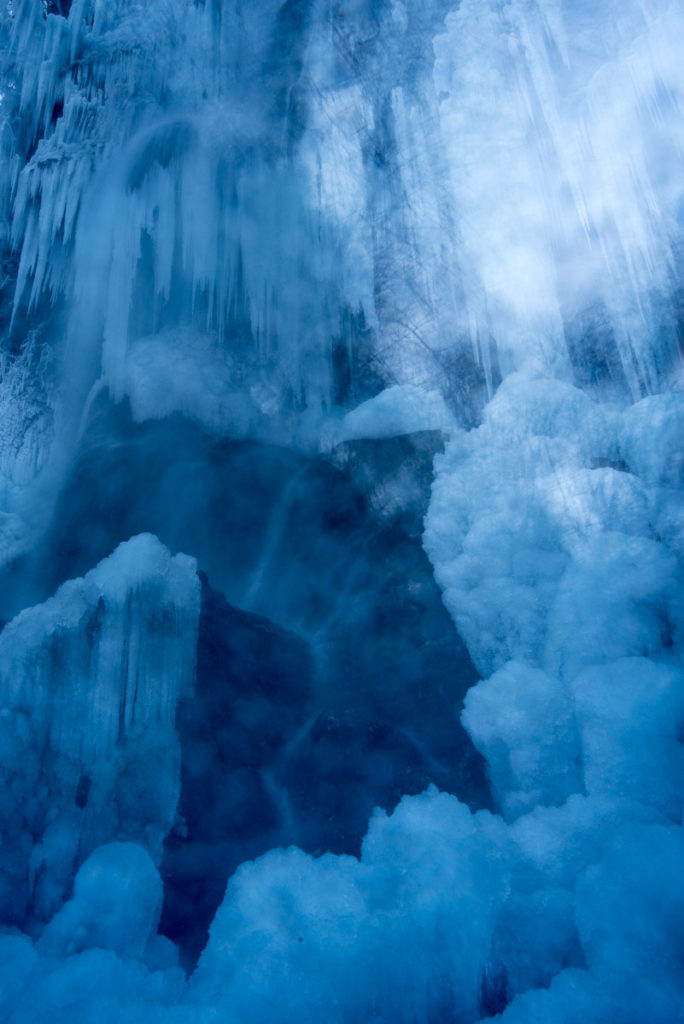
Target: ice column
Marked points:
89	684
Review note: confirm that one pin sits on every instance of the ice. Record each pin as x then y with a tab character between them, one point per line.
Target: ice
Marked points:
258	263
18	960
89	685
544	528
115	905
176	372
620	599
402	409
294	930
631	715
558	562
628	919
651	440
524	723
203	192
97	984
582	135
577	113
268	201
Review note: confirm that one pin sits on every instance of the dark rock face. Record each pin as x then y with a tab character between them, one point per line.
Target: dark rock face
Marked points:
394	474
330	677
273	756
253	693
593	351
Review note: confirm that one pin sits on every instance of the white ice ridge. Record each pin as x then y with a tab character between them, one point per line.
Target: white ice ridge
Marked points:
401	409
89	685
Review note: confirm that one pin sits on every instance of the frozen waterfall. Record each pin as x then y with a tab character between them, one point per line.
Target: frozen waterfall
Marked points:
341	511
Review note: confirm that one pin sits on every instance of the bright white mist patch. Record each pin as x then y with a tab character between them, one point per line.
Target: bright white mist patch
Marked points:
564	130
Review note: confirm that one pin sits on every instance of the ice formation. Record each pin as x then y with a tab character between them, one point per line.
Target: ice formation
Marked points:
89	684
315	314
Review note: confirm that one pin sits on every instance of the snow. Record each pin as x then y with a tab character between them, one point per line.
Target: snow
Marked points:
401	409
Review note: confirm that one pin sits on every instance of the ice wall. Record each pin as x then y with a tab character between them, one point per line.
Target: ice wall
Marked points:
555	531
317	224
291	206
89	685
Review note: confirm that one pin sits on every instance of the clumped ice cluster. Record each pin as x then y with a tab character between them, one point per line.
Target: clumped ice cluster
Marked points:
555	532
318	225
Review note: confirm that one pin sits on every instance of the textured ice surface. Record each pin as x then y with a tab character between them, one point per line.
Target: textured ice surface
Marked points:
115	905
288	207
89	685
289	736
259	262
543	529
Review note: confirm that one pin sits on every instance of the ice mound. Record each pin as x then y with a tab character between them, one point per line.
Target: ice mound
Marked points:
446	914
552	531
402	934
544	538
89	684
115	905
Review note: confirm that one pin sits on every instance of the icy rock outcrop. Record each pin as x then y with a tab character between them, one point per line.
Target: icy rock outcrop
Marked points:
89	685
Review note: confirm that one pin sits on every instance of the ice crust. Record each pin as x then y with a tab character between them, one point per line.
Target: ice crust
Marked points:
314	224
